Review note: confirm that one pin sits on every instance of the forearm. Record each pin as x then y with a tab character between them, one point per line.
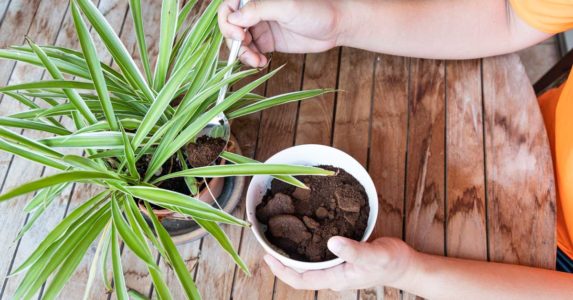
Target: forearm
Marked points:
436	277
443	29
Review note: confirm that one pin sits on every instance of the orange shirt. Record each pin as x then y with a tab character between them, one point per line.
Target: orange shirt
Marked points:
553	16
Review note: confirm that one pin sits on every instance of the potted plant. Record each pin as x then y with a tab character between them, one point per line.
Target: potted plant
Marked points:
135	129
294	225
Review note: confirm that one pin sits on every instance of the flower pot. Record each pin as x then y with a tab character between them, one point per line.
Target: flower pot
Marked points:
308	155
227	191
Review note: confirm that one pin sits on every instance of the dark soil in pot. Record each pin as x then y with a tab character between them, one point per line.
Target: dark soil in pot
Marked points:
171	166
205	150
300	222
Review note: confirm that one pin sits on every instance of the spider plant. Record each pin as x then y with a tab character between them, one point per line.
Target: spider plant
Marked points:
120	116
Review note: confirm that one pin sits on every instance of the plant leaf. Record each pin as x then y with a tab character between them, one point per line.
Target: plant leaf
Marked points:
239	159
189	133
224	241
184	13
31	155
118	279
73	259
34	125
248	169
105	236
129	237
135	8
194	207
129	156
72	95
54	180
163	99
166	38
94	66
116	48
80	213
276	100
174	257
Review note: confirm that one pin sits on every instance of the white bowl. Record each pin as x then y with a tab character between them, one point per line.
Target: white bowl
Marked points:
309	155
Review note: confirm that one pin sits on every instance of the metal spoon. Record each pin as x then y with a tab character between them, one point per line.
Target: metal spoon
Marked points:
218	127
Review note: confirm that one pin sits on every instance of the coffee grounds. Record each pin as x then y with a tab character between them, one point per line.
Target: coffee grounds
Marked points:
300	222
205	150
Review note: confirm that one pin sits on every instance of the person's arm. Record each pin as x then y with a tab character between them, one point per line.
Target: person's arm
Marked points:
390	262
444	29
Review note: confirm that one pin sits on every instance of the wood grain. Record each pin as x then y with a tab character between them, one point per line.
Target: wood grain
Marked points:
43	29
246	131
352	120
277	132
425	173
520	185
388	151
465	191
316	116
15	25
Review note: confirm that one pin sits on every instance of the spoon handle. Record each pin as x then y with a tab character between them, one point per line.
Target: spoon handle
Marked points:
233	55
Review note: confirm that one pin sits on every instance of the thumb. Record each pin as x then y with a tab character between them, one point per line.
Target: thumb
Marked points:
350	250
257	11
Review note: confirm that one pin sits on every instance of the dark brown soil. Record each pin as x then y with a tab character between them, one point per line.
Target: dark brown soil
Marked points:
171	166
205	150
300	222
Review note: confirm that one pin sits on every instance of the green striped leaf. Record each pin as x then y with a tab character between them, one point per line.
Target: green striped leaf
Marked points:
239	159
94	66
174	258
135	9
72	94
34	125
275	101
247	169
116	48
194	207
55	180
166	38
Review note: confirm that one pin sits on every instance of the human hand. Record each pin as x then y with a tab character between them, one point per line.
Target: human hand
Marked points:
385	261
291	26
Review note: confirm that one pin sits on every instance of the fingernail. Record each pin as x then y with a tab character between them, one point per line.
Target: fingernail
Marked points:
335	245
234	17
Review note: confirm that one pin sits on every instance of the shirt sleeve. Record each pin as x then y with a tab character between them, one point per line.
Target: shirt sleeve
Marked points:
550	16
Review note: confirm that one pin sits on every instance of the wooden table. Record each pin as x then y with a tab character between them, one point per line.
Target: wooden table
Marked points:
457	151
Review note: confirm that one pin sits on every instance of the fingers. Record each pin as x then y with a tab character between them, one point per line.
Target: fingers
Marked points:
310	280
259	10
227	29
250	55
355	252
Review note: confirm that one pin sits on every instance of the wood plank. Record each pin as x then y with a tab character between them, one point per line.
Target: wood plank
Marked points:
425	173
352	120
276	132
15	26
246	131
316	116
17	21
44	29
315	124
465	191
387	160
3	9
520	182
